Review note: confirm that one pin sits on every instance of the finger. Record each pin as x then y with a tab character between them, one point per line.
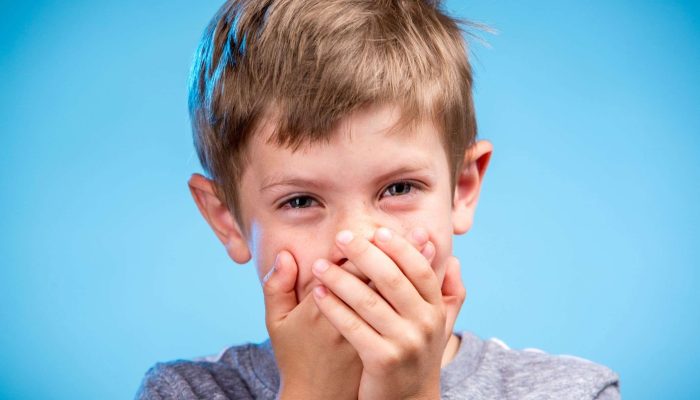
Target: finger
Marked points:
419	240
453	293
428	251
354	329
413	264
278	288
307	308
382	271
367	303
426	247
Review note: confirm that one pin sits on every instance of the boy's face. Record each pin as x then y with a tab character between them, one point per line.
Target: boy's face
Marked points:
365	177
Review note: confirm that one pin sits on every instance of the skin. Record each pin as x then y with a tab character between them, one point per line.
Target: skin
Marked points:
382	311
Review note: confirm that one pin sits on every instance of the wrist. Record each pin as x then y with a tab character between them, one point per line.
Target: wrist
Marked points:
295	392
311	393
290	394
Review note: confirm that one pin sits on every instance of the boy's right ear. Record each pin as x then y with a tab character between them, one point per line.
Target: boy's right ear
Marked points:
219	218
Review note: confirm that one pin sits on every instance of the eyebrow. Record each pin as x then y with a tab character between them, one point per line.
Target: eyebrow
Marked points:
291	180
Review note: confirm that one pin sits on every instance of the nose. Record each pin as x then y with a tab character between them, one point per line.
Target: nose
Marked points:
362	222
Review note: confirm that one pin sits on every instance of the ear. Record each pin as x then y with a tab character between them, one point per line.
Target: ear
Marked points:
468	185
219	218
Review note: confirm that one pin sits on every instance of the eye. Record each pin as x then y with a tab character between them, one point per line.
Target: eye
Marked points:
398	189
299	202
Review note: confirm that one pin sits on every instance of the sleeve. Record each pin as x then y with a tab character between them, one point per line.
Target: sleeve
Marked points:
610	392
190	381
156	384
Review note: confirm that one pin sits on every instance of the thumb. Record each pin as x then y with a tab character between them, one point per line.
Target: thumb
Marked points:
453	293
278	288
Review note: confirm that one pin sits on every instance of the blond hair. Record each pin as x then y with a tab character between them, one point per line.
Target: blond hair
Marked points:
313	62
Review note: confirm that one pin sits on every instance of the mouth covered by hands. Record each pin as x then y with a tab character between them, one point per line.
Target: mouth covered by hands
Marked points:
400	329
363	339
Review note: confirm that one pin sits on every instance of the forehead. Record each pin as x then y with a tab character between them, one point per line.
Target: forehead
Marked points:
370	140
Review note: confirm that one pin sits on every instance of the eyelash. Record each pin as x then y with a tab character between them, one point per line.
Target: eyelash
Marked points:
412	186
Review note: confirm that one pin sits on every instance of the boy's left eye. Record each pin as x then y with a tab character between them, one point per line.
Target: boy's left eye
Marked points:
398	189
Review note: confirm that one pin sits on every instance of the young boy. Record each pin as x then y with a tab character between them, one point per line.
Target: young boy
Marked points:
340	140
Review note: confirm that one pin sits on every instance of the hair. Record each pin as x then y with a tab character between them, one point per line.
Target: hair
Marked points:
307	64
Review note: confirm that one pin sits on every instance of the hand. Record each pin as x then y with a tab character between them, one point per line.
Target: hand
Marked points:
314	360
400	330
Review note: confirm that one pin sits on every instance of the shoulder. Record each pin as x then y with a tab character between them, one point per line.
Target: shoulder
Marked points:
532	371
236	373
184	379
534	374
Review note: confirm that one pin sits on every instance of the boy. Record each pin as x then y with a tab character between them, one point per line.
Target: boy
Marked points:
340	138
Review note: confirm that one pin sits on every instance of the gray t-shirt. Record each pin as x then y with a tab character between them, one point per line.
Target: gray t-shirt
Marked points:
481	369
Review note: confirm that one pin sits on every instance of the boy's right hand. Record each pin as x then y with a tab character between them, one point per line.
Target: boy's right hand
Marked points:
314	360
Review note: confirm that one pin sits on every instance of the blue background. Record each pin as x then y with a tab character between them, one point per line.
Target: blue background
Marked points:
585	242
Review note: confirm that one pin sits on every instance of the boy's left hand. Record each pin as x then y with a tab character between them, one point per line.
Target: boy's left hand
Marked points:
400	330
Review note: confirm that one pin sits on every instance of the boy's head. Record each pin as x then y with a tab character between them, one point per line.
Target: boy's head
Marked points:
312	116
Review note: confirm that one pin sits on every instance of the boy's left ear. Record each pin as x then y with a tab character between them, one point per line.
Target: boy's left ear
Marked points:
468	185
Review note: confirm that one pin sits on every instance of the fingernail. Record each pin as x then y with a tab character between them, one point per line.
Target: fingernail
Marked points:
344	237
420	235
320	266
383	234
320	292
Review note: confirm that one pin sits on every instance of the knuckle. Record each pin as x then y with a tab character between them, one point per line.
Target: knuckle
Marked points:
394	281
370	300
412	345
460	294
389	359
426	273
426	324
352	324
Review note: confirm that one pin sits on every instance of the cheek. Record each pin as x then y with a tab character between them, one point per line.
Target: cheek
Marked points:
262	261
440	232
443	250
267	243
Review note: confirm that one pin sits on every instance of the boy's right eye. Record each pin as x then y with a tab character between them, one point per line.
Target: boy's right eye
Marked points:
299	202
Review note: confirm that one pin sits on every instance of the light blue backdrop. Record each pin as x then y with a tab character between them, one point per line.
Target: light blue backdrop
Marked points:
586	240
